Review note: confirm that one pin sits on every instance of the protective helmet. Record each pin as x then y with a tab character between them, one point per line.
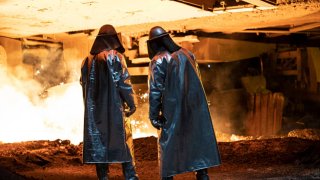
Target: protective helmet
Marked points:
160	40
108	39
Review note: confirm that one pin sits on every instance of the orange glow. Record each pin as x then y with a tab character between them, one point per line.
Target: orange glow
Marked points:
56	17
26	116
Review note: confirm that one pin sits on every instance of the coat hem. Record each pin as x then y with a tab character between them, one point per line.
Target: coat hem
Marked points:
105	162
191	170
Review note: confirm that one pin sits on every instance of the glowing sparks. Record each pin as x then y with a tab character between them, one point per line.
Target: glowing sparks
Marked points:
144	96
141	129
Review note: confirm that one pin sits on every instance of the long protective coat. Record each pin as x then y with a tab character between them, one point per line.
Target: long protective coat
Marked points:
106	87
187	140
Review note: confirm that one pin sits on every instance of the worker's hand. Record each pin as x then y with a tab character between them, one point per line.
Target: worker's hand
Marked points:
158	123
130	112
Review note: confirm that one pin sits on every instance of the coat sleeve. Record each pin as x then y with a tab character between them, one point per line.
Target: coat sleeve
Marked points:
125	86
157	74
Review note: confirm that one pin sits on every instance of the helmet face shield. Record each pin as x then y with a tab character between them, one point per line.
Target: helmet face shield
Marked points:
160	40
152	49
108	39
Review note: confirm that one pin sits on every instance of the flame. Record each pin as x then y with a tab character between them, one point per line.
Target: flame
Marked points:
140	124
64	112
234	138
26	116
142	129
225	137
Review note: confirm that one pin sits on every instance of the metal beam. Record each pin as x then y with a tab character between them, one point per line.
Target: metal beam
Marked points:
305	27
206	5
298	29
293	29
259	3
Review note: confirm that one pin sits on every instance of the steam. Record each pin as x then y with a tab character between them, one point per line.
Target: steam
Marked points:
25	115
33	110
225	96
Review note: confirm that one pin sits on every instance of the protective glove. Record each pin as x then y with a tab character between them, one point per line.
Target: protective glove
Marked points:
158	123
130	112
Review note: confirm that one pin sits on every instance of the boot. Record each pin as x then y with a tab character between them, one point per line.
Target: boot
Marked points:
102	171
129	171
202	174
167	178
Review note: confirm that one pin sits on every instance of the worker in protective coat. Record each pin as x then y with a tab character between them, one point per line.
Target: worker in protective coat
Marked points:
106	92
179	109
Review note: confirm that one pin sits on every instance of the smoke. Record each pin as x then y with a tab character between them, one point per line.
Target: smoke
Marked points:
225	94
46	61
47	104
29	111
42	108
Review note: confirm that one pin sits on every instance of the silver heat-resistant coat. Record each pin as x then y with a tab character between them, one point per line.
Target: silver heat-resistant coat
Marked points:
106	87
187	140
